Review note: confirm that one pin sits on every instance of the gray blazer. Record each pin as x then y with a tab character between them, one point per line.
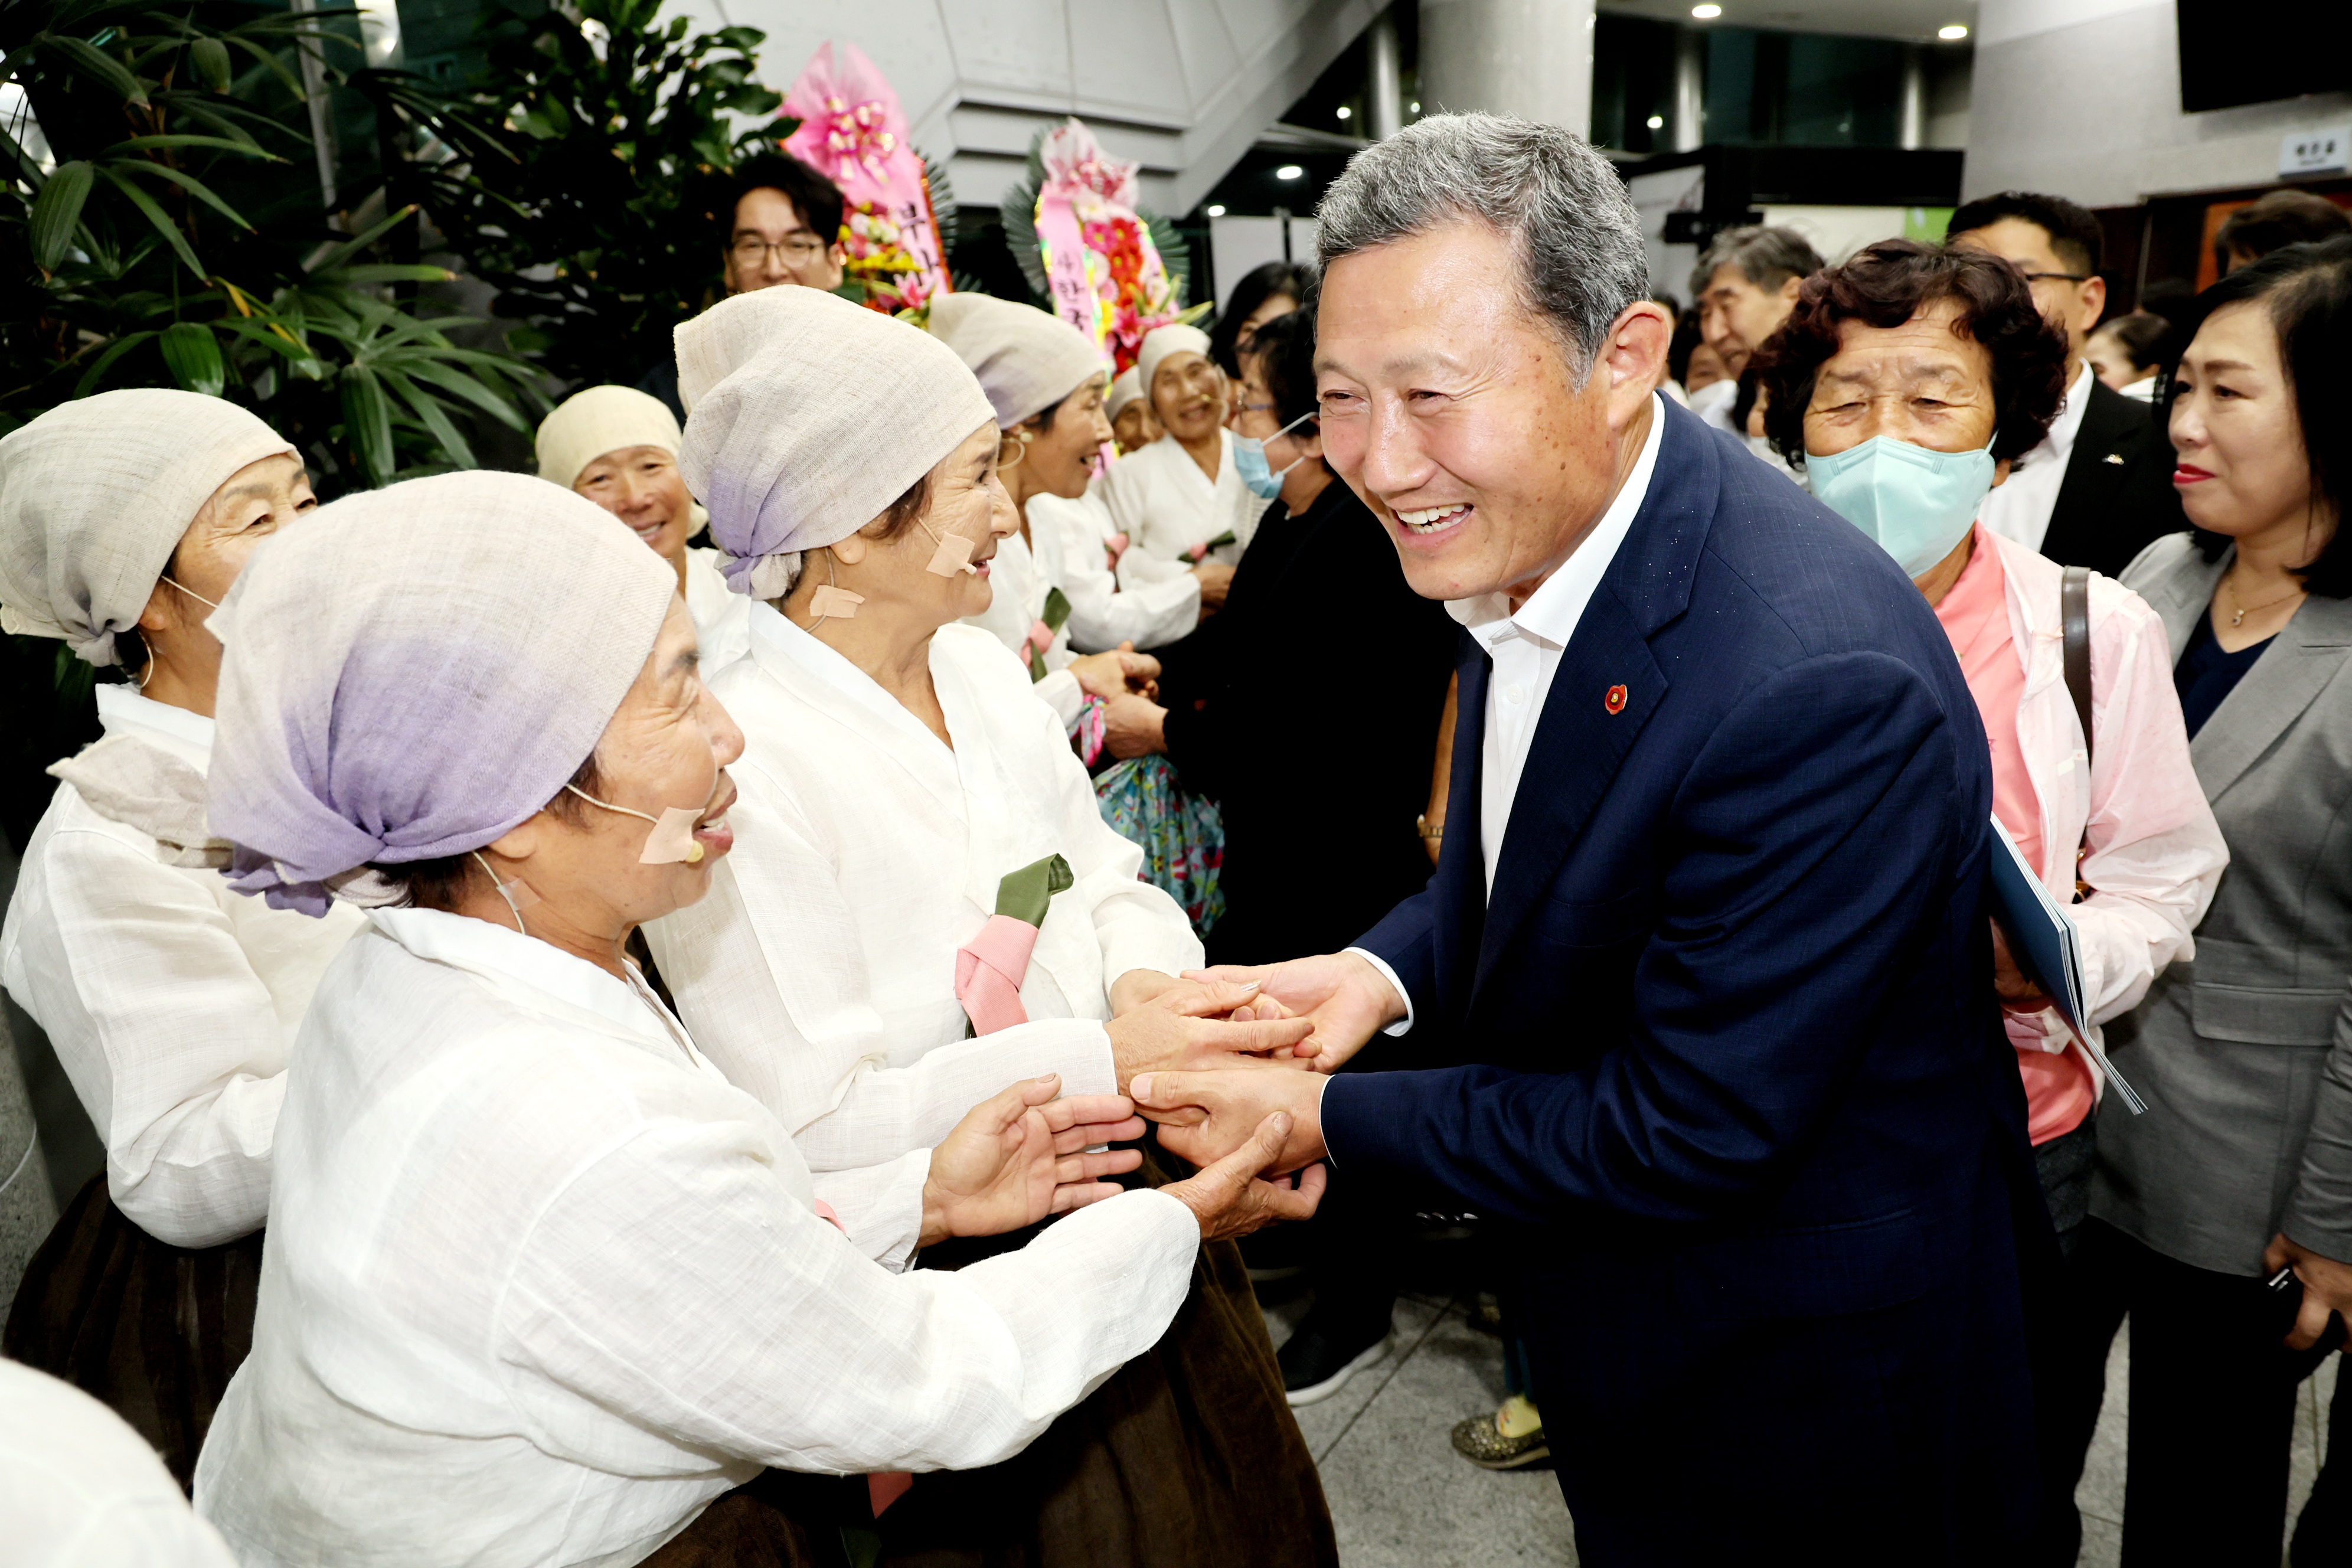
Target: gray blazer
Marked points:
2244	1053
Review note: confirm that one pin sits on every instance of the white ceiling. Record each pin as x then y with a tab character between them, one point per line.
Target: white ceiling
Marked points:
1910	20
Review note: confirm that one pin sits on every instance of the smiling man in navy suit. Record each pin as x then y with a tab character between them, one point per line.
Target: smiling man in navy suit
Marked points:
1706	936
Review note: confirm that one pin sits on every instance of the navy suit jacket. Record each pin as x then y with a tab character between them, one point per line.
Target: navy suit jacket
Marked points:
1726	1025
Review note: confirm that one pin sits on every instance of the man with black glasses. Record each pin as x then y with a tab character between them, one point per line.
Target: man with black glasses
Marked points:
2099	486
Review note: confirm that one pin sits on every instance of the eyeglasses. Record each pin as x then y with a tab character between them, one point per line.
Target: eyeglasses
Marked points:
798	252
2060	276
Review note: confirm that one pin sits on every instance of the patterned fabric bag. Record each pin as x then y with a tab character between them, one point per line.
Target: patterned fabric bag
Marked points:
1180	833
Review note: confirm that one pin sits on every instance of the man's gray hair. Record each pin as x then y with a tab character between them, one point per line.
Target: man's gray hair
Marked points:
1765	256
1560	202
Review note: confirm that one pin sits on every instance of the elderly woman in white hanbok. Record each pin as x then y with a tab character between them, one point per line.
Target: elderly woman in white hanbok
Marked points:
1044	381
541	1285
171	1002
618	446
1181	499
865	964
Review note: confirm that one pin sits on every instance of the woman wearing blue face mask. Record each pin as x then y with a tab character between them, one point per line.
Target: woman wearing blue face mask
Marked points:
1905	384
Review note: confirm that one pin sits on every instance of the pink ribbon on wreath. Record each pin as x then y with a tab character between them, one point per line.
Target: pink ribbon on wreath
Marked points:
858	136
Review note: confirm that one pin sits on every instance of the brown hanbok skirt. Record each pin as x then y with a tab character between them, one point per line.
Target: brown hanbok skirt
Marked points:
153	1332
1188	1456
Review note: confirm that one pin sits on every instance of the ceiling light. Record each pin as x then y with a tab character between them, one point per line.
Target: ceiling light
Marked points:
1217	209
1953	34
1657	122
1707	12
1415	108
1343	111
1289	172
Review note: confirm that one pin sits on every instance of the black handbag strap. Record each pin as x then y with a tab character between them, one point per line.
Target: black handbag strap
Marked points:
2075	630
2074	626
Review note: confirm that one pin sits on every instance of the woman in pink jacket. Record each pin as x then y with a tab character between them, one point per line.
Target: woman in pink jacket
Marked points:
1906	383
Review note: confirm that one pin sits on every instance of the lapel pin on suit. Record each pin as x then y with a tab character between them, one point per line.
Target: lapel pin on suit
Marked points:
2115	457
1615	700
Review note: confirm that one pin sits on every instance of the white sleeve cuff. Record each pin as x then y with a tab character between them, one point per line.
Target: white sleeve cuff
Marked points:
1376	961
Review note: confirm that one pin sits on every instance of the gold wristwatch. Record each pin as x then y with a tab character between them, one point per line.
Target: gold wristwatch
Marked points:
1427	828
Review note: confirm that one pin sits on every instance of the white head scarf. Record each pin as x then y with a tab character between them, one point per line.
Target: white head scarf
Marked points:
1125	388
1026	360
1161	341
95	496
820	415
587	425
414	671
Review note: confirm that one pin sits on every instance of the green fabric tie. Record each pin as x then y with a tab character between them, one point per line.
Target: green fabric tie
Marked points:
1024	894
1057	613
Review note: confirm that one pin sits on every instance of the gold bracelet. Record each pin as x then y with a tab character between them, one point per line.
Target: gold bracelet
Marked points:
1426	828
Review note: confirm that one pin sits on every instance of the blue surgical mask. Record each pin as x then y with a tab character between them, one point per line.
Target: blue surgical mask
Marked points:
1916	504
1249	457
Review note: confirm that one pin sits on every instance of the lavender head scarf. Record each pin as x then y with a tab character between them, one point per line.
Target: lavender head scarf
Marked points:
416	670
806	416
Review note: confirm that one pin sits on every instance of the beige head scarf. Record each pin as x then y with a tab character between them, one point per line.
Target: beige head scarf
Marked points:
1026	360
1161	341
1125	388
601	419
94	496
587	425
806	416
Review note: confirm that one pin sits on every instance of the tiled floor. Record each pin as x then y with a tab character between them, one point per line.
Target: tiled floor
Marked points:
1401	1498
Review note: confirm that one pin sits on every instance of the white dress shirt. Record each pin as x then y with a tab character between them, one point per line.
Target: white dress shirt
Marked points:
1160	500
541	1284
1525	647
170	998
1019	578
722	618
1107	608
819	973
79	1488
2020	509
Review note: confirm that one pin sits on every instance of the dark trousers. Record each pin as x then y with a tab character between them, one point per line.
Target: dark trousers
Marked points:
2212	1402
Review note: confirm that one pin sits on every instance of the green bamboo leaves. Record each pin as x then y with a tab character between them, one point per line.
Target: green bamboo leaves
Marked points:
56	210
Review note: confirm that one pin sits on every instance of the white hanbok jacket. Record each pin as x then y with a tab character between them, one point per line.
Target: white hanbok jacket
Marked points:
1153	604
819	973
541	1284
722	618
1162	500
1019	578
170	999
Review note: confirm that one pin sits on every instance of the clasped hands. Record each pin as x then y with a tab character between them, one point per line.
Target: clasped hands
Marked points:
1213	1056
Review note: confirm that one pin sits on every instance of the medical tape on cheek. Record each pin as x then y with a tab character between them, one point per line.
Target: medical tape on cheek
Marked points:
953	556
672	839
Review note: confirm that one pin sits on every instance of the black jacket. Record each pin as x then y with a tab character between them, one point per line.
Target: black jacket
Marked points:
2117	497
1318	688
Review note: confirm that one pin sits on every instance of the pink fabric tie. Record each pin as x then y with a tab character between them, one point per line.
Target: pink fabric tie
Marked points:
883	1488
988	973
1197	554
1117	546
1040	638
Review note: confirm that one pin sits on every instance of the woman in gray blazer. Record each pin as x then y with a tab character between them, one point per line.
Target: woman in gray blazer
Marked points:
2243	1165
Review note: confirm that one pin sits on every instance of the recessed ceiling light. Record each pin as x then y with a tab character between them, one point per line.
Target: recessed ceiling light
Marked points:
1217	209
1707	12
1657	122
1289	172
1343	111
1952	34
